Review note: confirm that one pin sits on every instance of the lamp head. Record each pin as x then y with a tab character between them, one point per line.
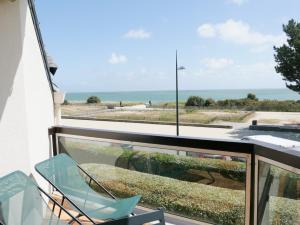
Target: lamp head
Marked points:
181	68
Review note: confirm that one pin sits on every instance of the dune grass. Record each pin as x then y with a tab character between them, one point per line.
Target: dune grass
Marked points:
197	116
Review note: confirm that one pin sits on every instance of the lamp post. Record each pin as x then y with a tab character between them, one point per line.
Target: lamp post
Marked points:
177	106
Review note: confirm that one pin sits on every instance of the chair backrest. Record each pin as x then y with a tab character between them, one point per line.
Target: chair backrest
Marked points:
21	202
63	173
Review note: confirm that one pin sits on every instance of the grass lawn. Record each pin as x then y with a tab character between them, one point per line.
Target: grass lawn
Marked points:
186	116
196	116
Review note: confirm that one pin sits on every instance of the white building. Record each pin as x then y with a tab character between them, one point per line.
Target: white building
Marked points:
26	99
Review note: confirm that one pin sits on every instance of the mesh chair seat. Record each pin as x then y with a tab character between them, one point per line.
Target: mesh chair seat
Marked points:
21	202
63	173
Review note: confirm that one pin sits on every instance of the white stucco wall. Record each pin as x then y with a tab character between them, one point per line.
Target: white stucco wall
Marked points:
26	108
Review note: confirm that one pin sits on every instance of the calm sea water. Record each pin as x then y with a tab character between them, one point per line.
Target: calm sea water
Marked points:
164	96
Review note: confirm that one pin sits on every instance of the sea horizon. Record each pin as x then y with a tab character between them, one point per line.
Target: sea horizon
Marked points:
169	95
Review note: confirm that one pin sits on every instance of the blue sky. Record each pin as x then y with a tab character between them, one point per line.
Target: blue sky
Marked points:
123	45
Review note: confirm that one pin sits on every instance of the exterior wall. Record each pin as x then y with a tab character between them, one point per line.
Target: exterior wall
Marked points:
26	106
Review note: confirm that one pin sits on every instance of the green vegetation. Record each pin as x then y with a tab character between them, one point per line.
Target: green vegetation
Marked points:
252	96
287	56
189	115
250	103
209	102
195	101
182	167
200	188
261	105
93	100
202	202
169	105
216	172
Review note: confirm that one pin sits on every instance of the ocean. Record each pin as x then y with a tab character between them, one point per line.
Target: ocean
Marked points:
168	96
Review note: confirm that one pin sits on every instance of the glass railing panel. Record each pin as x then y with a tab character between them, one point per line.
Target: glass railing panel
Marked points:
188	182
278	195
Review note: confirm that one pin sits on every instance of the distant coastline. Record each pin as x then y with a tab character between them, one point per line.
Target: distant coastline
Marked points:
169	96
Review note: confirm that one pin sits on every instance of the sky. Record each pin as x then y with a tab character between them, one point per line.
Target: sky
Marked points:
126	45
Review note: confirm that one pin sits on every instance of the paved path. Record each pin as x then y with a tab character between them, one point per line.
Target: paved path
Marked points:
239	130
151	128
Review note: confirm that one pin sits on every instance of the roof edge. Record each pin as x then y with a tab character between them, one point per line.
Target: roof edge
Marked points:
41	43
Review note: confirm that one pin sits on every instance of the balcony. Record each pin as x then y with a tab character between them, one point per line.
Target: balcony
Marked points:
197	181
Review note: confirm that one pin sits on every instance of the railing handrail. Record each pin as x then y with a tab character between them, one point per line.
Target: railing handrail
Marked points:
244	147
288	156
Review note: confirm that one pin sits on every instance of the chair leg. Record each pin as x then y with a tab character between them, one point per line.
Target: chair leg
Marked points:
62	203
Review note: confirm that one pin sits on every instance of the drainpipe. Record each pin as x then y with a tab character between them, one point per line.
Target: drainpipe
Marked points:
59	98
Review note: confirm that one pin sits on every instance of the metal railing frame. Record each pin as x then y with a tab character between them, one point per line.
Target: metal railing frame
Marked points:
279	156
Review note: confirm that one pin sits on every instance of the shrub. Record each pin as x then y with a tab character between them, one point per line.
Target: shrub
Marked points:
92	100
195	101
202	202
252	96
66	102
209	102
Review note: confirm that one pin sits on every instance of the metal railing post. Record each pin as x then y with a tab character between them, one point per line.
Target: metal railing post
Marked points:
252	190
52	134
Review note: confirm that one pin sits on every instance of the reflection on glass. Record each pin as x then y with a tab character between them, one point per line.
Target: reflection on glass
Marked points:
200	186
278	196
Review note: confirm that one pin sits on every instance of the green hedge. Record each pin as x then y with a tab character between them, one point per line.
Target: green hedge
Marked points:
216	172
198	201
202	202
250	103
179	166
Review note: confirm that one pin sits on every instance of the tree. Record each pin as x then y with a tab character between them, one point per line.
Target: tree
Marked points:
194	101
287	56
252	96
93	99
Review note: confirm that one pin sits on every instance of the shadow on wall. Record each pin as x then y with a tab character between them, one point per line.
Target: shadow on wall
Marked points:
12	32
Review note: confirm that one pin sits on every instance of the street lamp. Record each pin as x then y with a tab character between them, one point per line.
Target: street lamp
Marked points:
177	107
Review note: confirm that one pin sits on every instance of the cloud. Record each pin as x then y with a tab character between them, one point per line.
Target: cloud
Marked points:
206	31
137	34
117	58
216	63
238	32
238	2
246	75
215	67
